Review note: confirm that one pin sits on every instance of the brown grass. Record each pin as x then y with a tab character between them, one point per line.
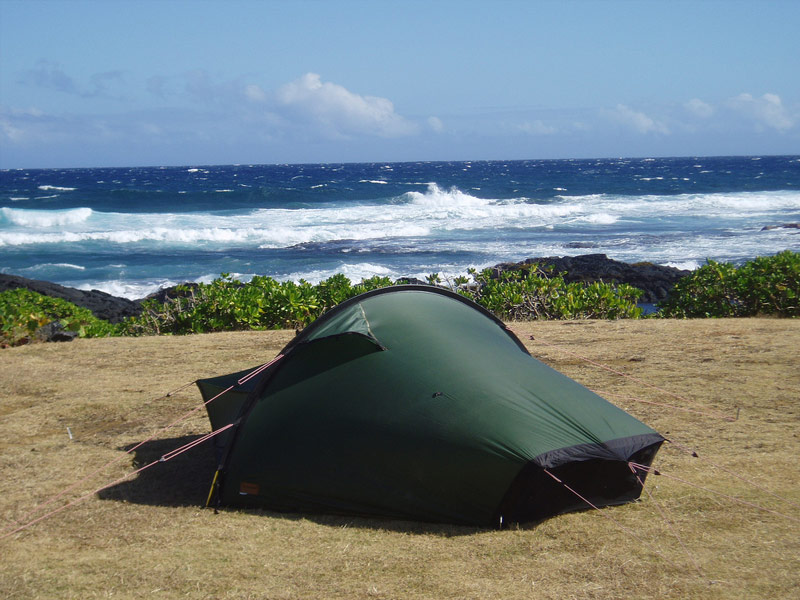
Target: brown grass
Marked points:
147	536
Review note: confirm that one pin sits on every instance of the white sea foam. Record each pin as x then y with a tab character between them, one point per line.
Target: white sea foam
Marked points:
705	206
136	289
435	220
36	270
598	219
56	188
44	218
132	290
209	277
435	196
353	271
688	265
43	266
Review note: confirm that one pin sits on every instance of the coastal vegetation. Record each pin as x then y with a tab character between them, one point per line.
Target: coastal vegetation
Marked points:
23	313
763	286
767	285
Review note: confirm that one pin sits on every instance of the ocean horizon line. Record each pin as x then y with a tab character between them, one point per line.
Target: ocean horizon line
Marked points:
401	161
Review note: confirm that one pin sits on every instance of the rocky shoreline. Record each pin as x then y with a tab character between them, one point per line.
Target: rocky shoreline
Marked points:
103	305
655	280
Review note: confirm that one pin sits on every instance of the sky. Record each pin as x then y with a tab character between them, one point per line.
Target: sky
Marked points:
150	83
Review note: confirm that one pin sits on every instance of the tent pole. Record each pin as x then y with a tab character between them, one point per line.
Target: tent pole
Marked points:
213	487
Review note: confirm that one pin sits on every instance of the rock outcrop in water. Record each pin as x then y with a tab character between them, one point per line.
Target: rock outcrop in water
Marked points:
103	305
781	226
655	280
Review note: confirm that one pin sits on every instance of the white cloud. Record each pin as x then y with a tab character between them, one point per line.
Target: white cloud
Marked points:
20	126
50	76
32	126
341	112
9	131
151	129
254	93
638	121
537	128
156	85
699	108
436	124
204	88
768	110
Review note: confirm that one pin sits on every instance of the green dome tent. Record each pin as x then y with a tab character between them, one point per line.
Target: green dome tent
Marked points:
413	402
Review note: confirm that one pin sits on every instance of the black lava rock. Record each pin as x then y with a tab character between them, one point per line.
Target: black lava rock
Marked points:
55	332
655	281
781	226
103	305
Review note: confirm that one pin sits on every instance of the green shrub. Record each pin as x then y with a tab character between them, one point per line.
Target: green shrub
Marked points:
373	283
767	285
227	304
23	311
534	293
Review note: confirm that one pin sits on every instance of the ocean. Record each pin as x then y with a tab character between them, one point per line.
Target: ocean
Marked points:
129	231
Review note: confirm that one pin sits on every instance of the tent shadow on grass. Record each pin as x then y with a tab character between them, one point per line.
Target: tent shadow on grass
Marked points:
185	481
181	481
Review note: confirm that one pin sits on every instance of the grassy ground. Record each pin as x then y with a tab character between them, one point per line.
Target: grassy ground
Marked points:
147	536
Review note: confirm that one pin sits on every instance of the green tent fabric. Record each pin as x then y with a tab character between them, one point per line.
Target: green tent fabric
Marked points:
412	402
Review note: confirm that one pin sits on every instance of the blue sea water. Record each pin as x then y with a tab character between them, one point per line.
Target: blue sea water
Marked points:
129	231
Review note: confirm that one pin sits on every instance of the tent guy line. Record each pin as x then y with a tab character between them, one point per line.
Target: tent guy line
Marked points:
114	461
658	472
664	404
621	527
663	513
694	454
126	417
166	457
622	374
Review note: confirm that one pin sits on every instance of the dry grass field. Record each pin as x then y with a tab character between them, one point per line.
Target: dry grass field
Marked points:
147	537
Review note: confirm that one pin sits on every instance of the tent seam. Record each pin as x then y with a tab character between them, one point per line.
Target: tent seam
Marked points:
366	320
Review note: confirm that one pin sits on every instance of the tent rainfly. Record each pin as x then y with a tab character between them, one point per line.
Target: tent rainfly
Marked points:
412	402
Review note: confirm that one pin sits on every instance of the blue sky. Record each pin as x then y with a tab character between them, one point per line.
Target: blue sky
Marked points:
119	83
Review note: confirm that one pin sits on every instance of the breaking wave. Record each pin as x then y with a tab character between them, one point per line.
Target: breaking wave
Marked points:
44	218
56	188
415	215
